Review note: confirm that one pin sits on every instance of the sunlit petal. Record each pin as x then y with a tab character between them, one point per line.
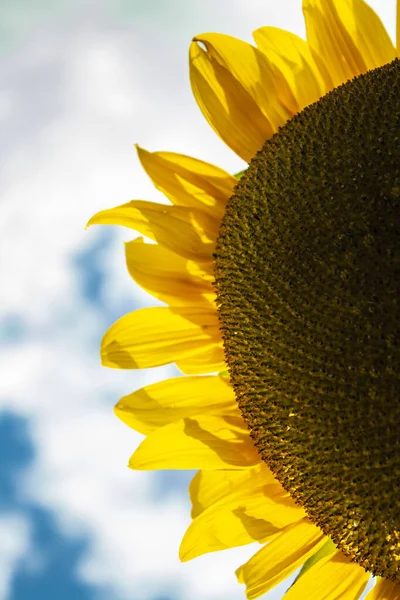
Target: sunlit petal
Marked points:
159	404
202	442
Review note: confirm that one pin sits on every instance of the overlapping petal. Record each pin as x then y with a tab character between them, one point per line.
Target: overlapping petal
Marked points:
224	527
252	508
185	231
151	337
175	280
384	590
201	442
334	577
348	35
244	97
208	487
303	69
159	404
186	181
283	555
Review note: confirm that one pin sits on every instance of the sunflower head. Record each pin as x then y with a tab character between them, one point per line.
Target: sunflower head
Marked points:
304	311
308	289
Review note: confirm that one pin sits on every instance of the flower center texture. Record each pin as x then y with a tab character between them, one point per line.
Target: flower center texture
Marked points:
307	270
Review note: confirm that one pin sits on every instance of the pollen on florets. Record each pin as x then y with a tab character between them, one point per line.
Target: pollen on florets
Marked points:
307	271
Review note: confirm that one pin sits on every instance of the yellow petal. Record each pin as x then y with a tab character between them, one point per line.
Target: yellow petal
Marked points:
190	233
348	35
230	521
302	68
283	555
222	530
243	96
189	182
208	359
281	509
334	577
150	337
384	590
259	76
208	487
201	442
223	527
169	277
162	403
226	105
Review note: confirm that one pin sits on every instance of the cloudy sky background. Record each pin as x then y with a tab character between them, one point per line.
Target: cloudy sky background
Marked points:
81	81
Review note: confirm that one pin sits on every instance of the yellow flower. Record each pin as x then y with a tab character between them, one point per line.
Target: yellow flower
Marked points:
194	422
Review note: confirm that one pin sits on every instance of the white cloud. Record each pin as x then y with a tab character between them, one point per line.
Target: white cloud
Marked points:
77	161
80	474
14	544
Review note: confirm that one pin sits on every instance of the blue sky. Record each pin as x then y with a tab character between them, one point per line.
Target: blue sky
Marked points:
56	575
80	83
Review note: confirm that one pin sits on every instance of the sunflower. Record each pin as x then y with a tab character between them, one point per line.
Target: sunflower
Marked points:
281	307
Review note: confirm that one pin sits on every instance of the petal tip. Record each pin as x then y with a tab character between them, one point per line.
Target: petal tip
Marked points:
92	221
183	555
239	574
186	549
139	149
119	407
134	463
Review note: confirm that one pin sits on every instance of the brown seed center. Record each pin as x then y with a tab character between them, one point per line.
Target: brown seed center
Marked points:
308	288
